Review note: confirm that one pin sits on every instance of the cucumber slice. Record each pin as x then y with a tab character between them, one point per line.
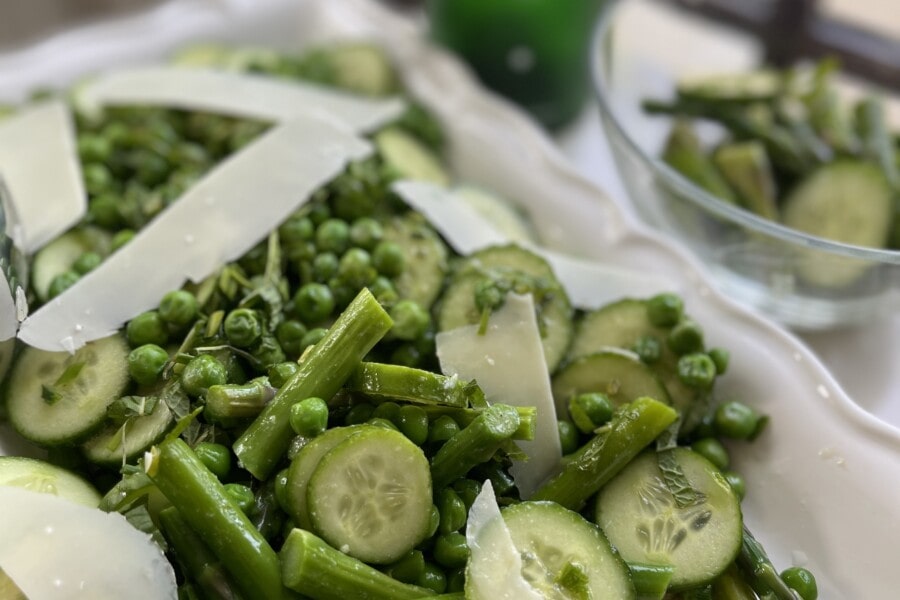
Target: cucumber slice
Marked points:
425	258
57	257
120	444
305	463
8	588
362	68
844	201
370	496
620	325
617	374
508	219
458	308
563	556
39	476
409	157
59	398
642	519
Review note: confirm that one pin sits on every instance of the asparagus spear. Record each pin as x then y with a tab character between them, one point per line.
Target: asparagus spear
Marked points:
235	401
631	430
210	511
464	416
323	371
474	444
763	576
684	154
413	385
876	138
650	581
200	564
315	569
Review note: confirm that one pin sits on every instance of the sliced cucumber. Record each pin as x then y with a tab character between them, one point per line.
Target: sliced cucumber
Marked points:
620	325
617	374
502	214
409	157
60	398
563	557
458	307
39	476
8	588
844	201
57	257
643	520
305	463
370	496
425	258
120	444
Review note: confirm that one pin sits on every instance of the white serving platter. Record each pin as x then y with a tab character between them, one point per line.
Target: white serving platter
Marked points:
823	480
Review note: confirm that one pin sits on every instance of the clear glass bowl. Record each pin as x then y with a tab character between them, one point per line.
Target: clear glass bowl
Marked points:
641	48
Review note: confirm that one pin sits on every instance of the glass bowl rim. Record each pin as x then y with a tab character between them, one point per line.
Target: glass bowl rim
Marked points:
696	195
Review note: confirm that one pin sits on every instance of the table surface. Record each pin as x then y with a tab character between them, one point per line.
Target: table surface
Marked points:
863	359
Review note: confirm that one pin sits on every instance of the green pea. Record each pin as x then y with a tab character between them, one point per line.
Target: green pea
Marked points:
296	229
387	410
325	266
433	578
365	233
120	238
665	310
696	370
413	423
318	213
97	178
407	355
353	200
314	302
410	568
359	413
720	357
384	291
388	259
216	458
281	372
568	436
145	363
713	451
738	421
333	236
103	210
442	429
648	348
146	328
179	308
468	490
434	521
290	336
686	337
355	268
309	417
411	321
313	337
450	550
242	327
86	262
242	496
61	283
590	410
456	580
801	581
453	511
737	483
201	373
93	148
342	291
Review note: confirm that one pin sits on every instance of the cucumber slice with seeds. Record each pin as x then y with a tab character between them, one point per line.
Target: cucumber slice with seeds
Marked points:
643	520
563	556
425	258
59	398
613	372
119	444
57	257
410	157
370	496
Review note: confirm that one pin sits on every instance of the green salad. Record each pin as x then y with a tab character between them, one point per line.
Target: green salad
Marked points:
353	409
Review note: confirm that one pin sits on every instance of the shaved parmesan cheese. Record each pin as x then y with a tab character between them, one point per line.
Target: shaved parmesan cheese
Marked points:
218	220
248	96
55	549
494	569
498	211
589	284
508	363
40	167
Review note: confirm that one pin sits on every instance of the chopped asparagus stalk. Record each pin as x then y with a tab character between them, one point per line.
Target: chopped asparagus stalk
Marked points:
237	401
464	416
413	385
684	154
650	581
